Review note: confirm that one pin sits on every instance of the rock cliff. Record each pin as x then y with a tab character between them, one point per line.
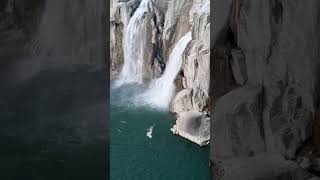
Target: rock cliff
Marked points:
265	89
194	79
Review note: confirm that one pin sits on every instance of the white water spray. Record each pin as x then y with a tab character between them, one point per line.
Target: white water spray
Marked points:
134	45
149	131
161	91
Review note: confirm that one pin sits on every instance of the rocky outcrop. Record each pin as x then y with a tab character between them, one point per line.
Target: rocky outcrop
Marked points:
269	104
195	73
193	125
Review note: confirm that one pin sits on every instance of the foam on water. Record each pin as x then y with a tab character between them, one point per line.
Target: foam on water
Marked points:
149	131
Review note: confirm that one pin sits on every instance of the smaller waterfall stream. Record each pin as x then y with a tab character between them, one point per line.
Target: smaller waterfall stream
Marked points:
134	44
161	91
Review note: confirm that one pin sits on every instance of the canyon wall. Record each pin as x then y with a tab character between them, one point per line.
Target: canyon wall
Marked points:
266	90
191	102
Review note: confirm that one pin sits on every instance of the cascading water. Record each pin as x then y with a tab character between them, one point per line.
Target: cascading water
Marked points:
161	91
134	44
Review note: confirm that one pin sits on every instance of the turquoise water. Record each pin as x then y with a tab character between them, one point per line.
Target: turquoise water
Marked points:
134	156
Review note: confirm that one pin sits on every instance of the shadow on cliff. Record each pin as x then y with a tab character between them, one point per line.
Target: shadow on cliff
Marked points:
264	88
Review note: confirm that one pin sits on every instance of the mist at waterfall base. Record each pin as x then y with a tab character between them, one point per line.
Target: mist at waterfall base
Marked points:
161	91
138	153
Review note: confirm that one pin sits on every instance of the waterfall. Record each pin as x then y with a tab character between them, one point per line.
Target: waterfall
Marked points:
134	44
161	91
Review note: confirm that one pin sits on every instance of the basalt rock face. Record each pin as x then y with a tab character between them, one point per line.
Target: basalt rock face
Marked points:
270	56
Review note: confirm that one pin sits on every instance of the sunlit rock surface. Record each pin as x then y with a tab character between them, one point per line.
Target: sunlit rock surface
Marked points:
195	72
